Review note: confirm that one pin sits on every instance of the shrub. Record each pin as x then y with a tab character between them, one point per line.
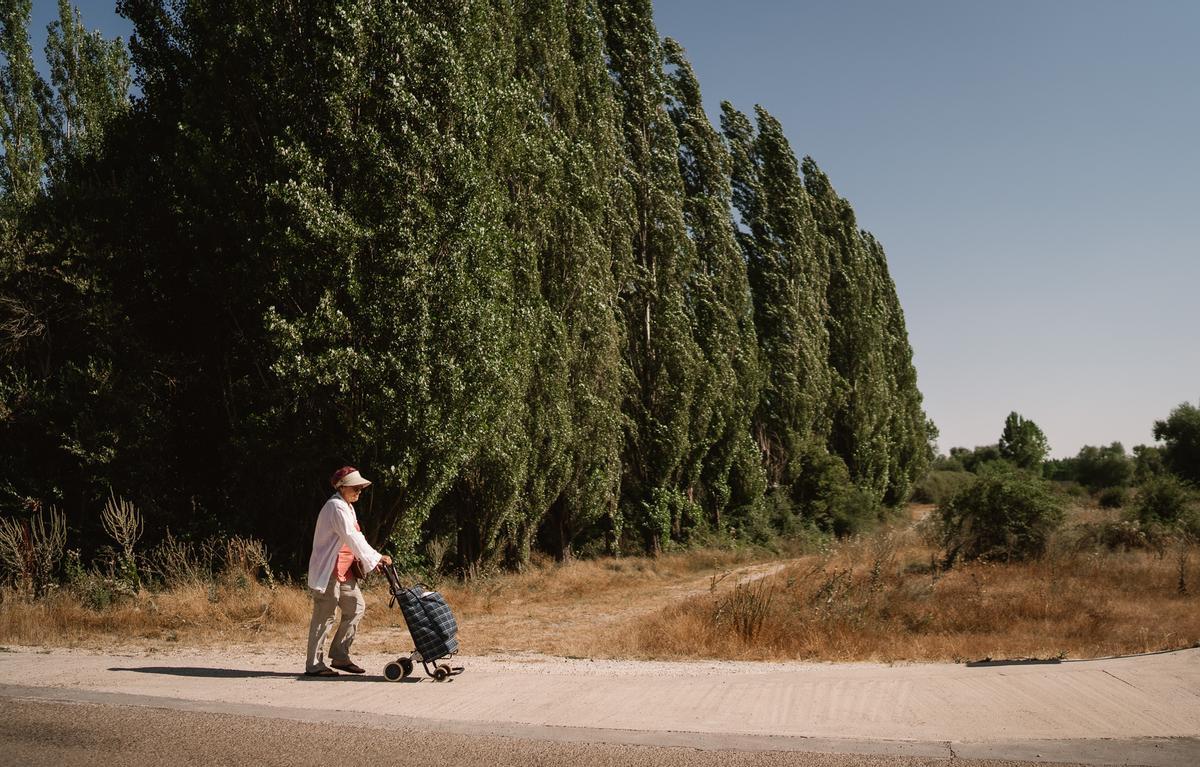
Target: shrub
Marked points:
1002	515
823	493
1111	498
179	562
1069	489
1166	500
1119	535
939	485
30	551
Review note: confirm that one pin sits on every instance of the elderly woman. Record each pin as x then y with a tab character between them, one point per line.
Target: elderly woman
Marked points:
340	556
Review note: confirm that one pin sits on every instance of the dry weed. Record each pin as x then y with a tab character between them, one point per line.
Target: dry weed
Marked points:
873	600
881	597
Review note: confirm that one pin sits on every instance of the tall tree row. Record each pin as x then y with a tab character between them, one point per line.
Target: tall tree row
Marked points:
730	474
663	361
491	251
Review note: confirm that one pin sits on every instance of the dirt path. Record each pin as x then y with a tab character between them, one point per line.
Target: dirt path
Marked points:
581	621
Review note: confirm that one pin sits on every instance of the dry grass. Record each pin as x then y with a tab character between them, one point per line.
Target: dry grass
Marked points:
232	610
877	598
884	599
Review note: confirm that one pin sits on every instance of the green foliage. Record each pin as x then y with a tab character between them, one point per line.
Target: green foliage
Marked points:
1112	497
483	250
788	273
24	98
719	305
1022	442
977	460
1061	469
1147	463
939	485
1181	434
90	76
1101	467
999	516
1169	502
665	364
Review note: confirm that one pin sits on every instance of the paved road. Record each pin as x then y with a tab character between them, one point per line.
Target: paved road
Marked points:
1142	710
87	735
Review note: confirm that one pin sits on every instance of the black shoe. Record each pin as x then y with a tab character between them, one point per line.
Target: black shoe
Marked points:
348	666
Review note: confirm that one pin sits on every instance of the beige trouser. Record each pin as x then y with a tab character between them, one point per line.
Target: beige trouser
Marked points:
349	598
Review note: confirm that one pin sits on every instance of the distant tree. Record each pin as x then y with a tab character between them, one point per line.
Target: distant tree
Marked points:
1022	442
1181	434
976	459
1147	463
1061	469
1101	467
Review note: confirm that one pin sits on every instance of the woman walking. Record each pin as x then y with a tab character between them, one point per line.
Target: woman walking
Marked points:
340	556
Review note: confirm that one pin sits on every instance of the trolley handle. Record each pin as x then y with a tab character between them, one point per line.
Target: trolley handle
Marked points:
389	572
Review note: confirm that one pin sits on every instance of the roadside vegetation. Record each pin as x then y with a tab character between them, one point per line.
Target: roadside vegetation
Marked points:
1103	583
1100	558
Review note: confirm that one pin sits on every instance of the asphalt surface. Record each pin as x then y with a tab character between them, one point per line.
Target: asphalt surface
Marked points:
86	735
65	707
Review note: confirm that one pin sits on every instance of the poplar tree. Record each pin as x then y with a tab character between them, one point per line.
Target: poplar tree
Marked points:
91	80
788	264
575	397
24	98
910	431
856	322
652	267
553	464
328	275
730	472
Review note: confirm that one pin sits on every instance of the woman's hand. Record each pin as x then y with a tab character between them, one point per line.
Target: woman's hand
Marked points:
383	560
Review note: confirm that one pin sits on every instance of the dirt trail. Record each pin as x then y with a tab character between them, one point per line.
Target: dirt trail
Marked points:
573	626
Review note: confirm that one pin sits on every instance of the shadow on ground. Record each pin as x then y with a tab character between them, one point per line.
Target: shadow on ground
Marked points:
233	673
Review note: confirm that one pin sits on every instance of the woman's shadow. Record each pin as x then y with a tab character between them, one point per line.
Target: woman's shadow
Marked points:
232	673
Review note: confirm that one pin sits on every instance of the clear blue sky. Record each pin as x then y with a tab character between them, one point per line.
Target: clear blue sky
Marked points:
1030	166
1032	169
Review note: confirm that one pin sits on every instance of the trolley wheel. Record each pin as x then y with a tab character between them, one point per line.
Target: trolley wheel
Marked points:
393	672
439	674
406	664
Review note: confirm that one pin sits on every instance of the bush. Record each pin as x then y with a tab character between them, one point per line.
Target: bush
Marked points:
1111	498
999	516
1072	490
823	492
1166	500
939	485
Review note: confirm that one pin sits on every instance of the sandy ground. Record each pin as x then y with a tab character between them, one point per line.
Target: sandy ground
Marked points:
1138	710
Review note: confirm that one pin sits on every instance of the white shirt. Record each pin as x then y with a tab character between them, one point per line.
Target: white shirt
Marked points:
337	527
